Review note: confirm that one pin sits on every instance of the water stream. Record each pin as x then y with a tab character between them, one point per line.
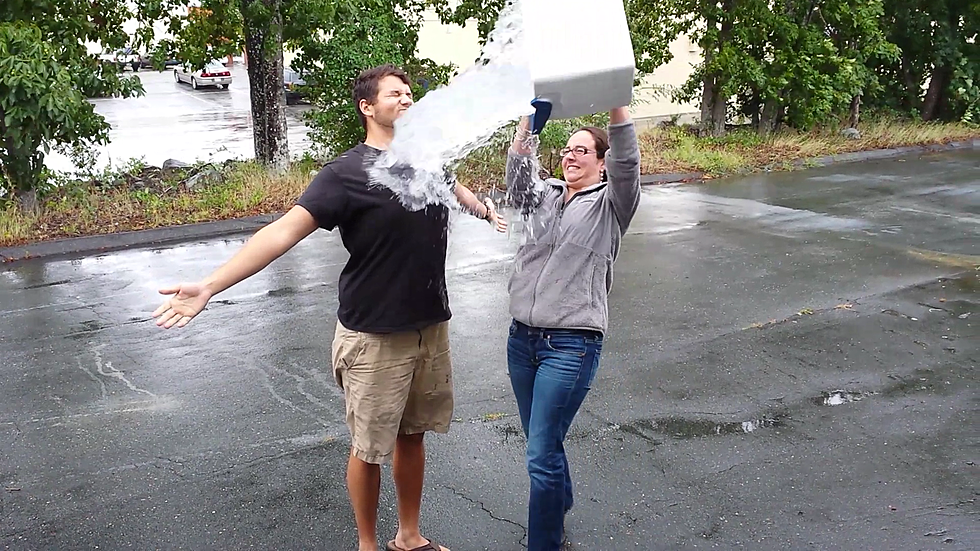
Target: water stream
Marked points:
449	123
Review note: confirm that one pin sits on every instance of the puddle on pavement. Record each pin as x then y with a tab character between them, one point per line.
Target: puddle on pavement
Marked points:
84	329
969	283
839	397
675	427
921	380
51	284
285	291
680	427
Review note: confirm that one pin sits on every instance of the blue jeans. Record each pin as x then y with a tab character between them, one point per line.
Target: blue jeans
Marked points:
551	371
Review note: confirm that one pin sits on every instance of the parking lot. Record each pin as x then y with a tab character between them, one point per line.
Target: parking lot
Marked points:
791	364
172	121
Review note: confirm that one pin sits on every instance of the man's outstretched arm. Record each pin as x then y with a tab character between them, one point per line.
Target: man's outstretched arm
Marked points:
187	300
485	211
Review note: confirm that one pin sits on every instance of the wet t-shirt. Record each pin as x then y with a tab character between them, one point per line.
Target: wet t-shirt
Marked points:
395	279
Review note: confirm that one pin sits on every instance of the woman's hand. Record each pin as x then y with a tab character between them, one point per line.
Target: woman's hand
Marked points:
522	138
618	115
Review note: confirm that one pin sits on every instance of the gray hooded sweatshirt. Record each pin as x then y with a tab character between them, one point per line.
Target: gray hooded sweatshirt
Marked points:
564	271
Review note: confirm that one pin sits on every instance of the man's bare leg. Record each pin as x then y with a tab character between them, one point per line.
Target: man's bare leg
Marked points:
408	470
364	487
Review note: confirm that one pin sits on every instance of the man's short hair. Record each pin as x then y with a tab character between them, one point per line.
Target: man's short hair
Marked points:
366	86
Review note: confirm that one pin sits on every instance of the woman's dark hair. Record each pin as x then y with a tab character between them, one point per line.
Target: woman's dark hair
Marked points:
601	143
600	137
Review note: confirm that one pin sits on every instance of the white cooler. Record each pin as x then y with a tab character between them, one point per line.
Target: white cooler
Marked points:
580	55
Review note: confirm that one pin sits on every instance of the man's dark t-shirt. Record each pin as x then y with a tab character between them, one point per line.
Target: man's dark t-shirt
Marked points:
395	279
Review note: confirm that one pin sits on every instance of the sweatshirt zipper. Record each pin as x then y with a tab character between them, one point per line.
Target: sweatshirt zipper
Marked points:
554	243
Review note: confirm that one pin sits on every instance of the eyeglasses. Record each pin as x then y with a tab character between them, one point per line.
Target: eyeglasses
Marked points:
579	150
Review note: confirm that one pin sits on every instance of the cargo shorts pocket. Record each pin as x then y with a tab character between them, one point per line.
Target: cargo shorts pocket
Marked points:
347	347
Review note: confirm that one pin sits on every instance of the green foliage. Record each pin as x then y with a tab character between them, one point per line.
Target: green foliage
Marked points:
804	61
354	37
966	91
483	12
938	47
212	33
208	30
67	27
654	24
46	72
40	108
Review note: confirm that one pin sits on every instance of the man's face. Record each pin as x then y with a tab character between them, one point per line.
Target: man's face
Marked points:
394	98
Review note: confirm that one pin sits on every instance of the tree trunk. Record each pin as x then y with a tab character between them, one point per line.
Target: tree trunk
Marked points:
755	108
713	106
719	113
855	117
934	95
708	99
263	49
27	201
771	116
911	84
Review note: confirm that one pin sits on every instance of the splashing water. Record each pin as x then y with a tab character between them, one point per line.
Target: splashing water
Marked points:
449	123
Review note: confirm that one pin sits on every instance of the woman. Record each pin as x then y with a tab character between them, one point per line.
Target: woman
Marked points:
562	275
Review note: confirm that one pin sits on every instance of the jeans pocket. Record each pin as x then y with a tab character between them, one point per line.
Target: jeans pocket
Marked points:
594	367
567	344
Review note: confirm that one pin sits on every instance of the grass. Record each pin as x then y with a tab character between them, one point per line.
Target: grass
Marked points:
675	150
145	197
244	189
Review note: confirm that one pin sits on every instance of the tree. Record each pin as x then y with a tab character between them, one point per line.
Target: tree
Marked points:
39	108
334	40
353	37
47	73
483	12
939	54
263	45
795	62
218	28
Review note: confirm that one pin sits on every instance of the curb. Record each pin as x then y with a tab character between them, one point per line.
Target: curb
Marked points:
95	244
81	246
673	178
877	154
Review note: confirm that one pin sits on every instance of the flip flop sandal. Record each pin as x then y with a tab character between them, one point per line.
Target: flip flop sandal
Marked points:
431	546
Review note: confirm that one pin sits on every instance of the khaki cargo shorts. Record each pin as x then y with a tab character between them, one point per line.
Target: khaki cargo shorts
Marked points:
394	383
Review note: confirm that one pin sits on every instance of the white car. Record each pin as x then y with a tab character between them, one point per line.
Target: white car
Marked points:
213	74
122	58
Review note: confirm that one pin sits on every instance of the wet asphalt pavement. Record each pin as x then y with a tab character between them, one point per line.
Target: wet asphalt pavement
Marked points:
791	364
172	121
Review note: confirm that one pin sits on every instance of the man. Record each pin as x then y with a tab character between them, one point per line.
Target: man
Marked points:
391	347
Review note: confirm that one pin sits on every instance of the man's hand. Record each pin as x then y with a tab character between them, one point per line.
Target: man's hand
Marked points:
268	244
187	301
495	218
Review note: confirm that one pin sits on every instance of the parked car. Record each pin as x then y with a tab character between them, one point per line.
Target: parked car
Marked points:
213	74
292	83
147	61
122	58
